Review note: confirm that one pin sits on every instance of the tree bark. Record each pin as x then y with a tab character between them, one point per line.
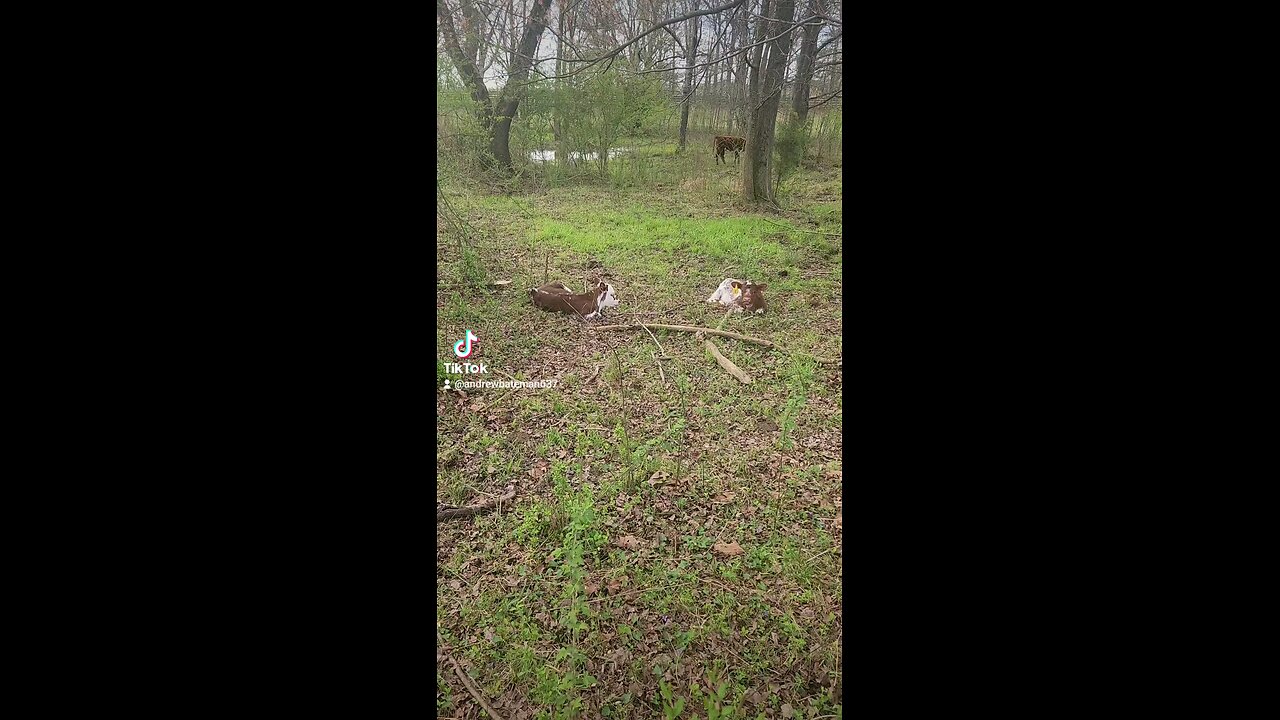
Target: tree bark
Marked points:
557	118
756	185
690	53
513	91
805	64
740	76
757	54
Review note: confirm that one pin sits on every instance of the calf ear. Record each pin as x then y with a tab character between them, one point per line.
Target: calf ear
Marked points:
762	286
602	286
737	284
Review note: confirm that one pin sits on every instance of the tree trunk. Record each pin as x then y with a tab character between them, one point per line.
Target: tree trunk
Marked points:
500	139
757	54
805	64
756	185
495	116
557	119
740	76
690	52
691	32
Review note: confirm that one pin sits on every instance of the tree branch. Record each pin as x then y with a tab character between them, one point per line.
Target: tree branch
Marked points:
829	40
687	16
828	99
719	60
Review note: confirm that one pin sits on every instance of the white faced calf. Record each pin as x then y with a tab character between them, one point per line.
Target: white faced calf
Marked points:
728	292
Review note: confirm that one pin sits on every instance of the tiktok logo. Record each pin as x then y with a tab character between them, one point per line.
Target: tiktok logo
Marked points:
464	352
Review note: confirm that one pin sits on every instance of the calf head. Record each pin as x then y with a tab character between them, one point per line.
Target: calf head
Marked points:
752	299
606	296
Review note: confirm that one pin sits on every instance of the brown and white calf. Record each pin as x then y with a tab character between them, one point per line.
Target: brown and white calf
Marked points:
555	297
729	142
740	295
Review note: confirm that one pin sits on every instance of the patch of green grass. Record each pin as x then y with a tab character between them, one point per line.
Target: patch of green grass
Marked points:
539	596
615	236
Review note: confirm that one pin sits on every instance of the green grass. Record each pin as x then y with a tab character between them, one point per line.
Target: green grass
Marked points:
546	604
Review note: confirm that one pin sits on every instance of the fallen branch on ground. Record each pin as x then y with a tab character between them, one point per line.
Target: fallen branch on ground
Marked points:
447	512
471	688
725	362
690	329
655	341
658	362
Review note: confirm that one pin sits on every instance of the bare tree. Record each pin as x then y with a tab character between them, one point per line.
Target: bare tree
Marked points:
763	113
740	80
461	30
806	63
691	34
742	66
757	54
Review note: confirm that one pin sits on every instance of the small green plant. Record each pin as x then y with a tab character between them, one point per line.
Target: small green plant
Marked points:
672	706
788	421
533	524
561	692
713	701
471	272
580	508
444	701
757	558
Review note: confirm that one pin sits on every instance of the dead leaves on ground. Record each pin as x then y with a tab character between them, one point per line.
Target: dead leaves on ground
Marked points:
630	542
539	469
728	549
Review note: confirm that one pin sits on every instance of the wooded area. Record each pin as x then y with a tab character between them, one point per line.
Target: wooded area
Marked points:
639	464
598	70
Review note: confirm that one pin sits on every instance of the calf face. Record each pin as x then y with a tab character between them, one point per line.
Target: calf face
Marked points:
608	297
724	143
752	299
728	292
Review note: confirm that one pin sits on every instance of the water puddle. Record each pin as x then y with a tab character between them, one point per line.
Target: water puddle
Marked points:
543	156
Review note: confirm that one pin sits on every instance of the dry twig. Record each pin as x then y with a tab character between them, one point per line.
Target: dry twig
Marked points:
727	313
655	340
658	362
471	688
690	329
447	512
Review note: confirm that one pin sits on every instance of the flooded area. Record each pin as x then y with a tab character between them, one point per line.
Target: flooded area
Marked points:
542	156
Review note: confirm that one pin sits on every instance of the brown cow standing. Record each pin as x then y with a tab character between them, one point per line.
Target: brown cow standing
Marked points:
729	142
